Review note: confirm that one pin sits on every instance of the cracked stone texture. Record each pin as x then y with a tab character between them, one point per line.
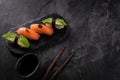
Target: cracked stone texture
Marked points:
95	28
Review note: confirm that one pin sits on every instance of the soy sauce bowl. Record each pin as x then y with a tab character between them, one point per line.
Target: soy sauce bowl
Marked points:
27	65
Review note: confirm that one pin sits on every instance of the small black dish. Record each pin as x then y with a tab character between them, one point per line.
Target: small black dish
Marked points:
45	41
27	65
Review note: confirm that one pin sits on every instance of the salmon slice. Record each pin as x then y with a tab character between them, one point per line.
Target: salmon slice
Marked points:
30	34
42	28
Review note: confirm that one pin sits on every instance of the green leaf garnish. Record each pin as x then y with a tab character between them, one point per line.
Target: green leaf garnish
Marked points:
10	36
48	20
23	42
60	22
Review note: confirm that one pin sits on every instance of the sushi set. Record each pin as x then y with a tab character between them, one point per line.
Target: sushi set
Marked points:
38	34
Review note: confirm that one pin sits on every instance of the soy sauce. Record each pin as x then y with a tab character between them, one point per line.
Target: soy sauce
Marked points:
27	65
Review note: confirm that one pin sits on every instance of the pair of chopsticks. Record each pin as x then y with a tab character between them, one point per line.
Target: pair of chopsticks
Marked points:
53	63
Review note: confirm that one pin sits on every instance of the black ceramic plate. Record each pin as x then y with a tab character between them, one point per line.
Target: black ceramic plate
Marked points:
45	41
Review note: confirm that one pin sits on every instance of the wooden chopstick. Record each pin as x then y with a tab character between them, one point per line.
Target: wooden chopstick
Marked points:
62	66
53	63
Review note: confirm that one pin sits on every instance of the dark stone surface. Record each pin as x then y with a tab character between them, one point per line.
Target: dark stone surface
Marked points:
95	26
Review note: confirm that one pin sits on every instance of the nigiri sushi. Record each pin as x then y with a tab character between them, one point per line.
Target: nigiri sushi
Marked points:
28	33
48	20
60	23
42	28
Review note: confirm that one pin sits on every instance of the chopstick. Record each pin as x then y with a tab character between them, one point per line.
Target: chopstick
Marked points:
53	63
62	66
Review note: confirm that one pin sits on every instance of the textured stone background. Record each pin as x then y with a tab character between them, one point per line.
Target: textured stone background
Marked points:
95	26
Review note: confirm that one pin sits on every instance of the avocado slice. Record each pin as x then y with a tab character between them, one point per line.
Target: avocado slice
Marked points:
48	20
10	36
23	42
60	22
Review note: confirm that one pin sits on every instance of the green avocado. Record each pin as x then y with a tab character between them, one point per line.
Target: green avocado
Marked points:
23	42
48	20
10	36
60	22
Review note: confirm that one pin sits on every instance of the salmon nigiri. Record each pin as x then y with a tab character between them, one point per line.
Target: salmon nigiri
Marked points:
42	28
28	33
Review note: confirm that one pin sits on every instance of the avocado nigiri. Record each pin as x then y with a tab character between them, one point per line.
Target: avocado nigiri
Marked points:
59	23
16	39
